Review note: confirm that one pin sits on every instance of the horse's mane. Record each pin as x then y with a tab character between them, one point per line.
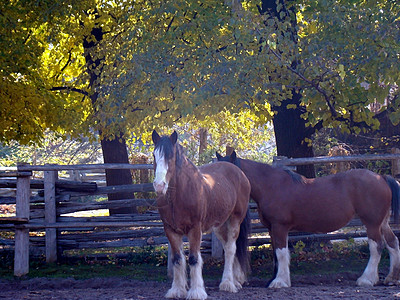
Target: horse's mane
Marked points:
297	178
180	155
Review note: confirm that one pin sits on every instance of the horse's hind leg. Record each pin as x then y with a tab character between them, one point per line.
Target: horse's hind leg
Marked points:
228	234
197	290
179	282
376	244
392	244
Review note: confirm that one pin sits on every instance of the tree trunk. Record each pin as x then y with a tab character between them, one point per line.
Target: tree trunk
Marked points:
114	149
289	127
203	144
290	132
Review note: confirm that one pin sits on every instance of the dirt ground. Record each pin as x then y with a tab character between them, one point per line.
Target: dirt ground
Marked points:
337	286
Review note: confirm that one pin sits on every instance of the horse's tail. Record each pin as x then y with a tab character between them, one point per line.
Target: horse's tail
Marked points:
395	188
242	243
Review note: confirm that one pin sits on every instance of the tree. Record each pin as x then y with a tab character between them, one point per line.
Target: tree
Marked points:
81	48
114	146
291	132
156	63
27	106
337	74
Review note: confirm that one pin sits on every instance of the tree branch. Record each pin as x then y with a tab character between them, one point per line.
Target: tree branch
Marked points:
67	88
312	83
68	61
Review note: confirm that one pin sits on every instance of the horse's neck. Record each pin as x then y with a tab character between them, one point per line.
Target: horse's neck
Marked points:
258	175
187	171
253	168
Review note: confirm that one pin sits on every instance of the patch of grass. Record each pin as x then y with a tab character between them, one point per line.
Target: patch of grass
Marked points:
154	255
322	258
150	263
142	272
88	269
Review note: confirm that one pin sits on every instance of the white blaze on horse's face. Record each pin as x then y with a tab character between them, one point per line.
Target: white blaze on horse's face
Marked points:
160	181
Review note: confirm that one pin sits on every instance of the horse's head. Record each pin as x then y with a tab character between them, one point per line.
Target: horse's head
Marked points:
229	158
164	153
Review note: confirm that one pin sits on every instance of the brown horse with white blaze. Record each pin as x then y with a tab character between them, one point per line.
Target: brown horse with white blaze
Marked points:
192	200
289	202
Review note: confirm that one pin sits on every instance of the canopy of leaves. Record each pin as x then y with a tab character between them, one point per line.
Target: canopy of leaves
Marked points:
159	62
349	60
27	106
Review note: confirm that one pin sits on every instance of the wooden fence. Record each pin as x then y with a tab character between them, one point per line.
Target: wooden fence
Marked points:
49	209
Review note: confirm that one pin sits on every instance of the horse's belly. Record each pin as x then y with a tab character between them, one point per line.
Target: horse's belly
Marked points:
321	223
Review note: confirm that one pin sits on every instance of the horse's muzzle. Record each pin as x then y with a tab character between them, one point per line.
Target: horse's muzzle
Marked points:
160	187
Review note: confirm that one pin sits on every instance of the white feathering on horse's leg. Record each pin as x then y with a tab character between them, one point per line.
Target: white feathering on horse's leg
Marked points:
283	275
238	274
197	290
393	277
370	276
392	245
227	283
179	283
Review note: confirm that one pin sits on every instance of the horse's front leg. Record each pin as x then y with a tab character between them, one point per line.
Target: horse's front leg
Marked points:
179	282
279	237
197	290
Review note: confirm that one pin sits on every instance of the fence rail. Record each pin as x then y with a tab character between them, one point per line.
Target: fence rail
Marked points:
333	159
54	207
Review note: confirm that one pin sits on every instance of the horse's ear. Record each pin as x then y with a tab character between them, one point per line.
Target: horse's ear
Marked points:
155	137
219	156
173	137
233	156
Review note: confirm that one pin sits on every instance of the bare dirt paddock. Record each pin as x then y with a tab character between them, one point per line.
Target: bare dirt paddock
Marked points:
337	286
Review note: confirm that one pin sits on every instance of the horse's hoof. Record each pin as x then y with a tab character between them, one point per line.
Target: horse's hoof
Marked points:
277	284
239	275
176	293
238	285
363	281
228	286
197	293
391	281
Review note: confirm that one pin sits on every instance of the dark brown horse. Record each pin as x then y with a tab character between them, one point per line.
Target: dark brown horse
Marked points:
289	202
194	200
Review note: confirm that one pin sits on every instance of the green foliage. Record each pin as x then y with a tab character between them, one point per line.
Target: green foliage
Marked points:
27	106
349	53
244	131
116	66
299	247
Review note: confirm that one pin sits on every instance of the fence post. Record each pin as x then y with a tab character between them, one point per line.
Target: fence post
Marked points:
21	256
396	164
50	214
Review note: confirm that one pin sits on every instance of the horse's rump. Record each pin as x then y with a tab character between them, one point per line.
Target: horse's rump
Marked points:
227	190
